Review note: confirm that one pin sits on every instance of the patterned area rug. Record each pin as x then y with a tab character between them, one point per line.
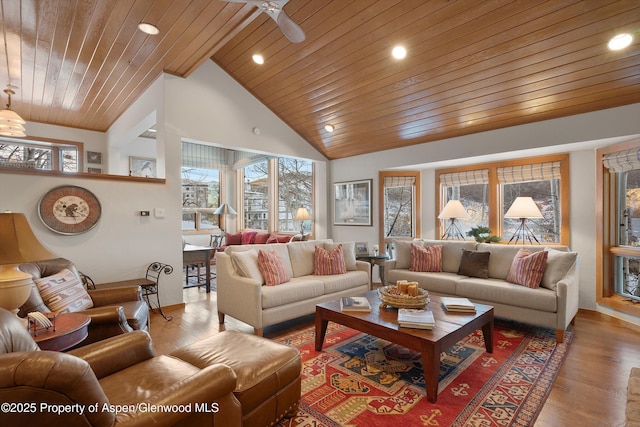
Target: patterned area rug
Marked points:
360	380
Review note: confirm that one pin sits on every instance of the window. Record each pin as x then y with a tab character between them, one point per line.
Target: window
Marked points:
273	189
295	189
42	155
201	178
488	190
618	248
399	205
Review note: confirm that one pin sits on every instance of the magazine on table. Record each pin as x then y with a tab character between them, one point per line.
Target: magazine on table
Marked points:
416	318
355	304
458	304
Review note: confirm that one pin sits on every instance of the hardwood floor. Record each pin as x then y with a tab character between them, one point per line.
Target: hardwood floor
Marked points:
589	391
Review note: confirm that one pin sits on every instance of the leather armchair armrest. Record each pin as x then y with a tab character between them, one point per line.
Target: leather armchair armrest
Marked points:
116	353
208	386
49	376
110	296
108	315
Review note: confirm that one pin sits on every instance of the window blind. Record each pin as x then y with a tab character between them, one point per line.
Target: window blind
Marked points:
478	176
399	181
622	161
531	172
243	159
203	156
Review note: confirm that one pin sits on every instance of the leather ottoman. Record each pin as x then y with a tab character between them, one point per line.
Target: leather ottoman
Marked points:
268	373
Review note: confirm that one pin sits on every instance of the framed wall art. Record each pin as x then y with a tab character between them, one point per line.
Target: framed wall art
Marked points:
352	203
94	157
142	166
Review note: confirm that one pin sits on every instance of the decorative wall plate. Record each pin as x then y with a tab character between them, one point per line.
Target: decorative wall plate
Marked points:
69	209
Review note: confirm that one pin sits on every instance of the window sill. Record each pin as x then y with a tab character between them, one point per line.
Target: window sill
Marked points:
83	175
622	304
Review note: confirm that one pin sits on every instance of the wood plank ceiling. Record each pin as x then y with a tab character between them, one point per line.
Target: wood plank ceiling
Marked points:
472	66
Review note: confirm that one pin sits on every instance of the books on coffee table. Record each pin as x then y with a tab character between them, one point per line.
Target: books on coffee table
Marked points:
415	318
458	304
355	304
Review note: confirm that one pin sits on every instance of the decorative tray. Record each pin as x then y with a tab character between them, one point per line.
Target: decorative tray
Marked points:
391	296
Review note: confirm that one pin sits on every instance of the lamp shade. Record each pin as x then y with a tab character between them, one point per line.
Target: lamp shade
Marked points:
225	209
454	209
302	214
523	207
19	245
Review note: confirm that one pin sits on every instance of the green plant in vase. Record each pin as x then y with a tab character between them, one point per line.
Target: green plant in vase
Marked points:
483	235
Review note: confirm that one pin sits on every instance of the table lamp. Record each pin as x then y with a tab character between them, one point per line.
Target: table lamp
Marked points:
224	209
523	208
19	245
453	210
302	214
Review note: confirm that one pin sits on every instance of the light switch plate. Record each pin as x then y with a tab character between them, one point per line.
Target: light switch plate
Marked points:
160	212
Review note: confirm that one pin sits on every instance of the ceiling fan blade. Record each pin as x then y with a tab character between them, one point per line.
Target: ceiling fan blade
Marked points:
290	29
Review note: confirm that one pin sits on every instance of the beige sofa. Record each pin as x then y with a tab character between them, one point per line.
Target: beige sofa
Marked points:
553	305
241	292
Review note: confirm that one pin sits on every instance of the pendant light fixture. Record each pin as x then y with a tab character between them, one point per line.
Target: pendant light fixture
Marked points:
11	124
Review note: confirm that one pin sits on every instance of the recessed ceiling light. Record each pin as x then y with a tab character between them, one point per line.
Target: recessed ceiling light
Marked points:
399	52
329	127
148	28
258	59
620	41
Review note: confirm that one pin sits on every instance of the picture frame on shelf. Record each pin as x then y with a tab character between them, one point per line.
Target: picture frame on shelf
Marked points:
94	170
352	203
94	157
142	166
362	249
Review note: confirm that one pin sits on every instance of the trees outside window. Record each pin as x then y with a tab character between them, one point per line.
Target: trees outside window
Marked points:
295	189
27	154
399	211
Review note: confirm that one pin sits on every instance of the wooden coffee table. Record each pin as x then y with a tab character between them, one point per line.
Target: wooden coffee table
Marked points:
383	323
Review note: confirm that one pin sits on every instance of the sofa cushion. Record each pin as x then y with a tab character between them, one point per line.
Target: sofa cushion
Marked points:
474	264
527	268
329	262
502	257
498	291
343	282
349	252
427	258
558	265
247	237
439	283
278	238
63	292
295	290
272	268
246	264
233	238
451	252
403	252
302	256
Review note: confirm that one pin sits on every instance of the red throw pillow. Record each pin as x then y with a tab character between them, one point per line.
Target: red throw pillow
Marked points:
272	268
248	237
427	258
329	262
233	238
261	238
527	268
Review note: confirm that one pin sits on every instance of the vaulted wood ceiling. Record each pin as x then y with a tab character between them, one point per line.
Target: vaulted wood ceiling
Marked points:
471	66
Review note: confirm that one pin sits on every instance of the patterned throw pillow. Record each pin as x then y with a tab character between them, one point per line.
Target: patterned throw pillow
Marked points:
527	268
63	292
329	262
272	268
427	258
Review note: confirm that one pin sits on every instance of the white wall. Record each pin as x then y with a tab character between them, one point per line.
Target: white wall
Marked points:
578	135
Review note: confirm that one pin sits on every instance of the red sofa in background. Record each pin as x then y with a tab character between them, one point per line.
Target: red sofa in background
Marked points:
249	237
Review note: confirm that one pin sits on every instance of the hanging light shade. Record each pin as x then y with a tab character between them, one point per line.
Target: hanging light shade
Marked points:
10	122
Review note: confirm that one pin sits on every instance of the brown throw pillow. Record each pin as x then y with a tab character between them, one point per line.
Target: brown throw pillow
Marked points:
474	264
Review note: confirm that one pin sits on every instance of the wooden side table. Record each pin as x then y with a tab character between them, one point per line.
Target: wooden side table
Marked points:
70	330
375	260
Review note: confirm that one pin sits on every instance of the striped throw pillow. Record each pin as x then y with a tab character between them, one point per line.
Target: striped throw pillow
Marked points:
329	262
428	258
272	268
527	268
63	292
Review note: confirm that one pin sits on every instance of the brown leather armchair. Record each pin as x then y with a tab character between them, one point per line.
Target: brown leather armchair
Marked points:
116	382
115	310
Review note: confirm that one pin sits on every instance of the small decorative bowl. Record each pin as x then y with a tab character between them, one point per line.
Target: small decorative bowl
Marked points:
390	296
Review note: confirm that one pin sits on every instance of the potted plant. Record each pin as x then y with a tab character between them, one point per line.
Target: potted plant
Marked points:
483	235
